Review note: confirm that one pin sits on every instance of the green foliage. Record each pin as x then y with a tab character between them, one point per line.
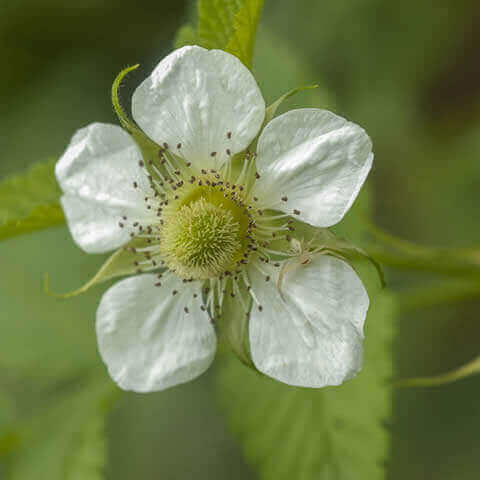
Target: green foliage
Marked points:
64	441
120	263
186	35
230	25
40	336
334	433
245	23
29	201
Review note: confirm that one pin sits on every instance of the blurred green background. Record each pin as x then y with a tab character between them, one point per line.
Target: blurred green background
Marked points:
408	72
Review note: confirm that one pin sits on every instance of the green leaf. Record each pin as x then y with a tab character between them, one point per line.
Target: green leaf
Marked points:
242	42
334	433
229	25
186	35
64	442
29	201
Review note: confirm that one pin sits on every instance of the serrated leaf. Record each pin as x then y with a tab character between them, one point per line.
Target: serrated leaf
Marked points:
334	433
215	22
229	25
66	442
29	201
242	42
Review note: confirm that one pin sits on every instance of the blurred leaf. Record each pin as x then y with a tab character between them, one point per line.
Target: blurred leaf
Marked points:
40	335
229	25
334	433
65	442
29	201
186	35
471	368
7	409
127	260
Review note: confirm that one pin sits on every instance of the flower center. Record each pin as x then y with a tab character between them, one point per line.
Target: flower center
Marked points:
202	239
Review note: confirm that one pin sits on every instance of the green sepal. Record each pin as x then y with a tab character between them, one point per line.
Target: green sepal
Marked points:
233	325
310	240
120	263
233	329
148	147
122	116
271	111
471	368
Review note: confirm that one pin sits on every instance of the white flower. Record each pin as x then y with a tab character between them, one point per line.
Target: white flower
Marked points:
217	229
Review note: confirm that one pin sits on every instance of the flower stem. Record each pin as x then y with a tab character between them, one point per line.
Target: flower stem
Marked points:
404	255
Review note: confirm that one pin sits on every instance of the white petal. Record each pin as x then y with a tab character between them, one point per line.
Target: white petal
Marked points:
194	97
146	338
96	174
309	334
317	160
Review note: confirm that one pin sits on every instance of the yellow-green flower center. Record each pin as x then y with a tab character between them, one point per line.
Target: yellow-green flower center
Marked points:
202	239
